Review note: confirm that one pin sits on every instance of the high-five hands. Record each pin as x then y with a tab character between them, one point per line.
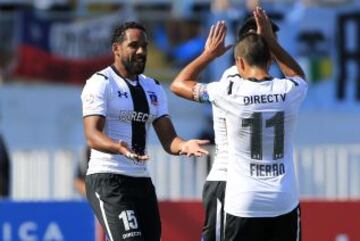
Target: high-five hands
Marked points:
193	148
263	24
215	43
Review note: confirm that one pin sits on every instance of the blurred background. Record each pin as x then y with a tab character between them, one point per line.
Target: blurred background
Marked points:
48	48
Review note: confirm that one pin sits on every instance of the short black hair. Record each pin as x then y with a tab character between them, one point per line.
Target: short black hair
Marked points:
254	49
250	24
118	35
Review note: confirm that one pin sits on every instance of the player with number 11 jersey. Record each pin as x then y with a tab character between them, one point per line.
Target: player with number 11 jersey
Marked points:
257	142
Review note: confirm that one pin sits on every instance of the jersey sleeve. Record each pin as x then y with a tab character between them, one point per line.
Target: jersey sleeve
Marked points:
216	91
94	96
162	109
229	72
301	85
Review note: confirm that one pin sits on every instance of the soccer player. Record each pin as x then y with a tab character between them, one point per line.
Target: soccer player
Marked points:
119	104
214	187
248	26
261	199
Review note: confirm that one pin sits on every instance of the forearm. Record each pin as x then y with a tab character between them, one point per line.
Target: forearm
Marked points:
175	146
99	141
288	65
169	140
172	143
188	77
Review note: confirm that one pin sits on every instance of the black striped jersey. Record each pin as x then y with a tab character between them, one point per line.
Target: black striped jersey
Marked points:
260	121
129	108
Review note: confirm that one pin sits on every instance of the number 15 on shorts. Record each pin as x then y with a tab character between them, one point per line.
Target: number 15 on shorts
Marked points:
129	219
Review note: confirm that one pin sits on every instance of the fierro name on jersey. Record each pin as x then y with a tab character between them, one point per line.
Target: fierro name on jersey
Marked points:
267	170
129	116
263	99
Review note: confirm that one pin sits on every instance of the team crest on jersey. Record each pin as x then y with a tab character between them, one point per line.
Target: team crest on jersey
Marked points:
89	99
153	98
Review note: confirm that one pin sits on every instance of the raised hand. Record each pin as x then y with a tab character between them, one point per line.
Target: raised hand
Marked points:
263	24
193	148
215	43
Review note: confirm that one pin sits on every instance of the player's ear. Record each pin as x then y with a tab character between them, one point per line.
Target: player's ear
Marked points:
240	63
116	48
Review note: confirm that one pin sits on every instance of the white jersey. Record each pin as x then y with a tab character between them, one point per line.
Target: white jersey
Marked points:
129	107
260	119
219	167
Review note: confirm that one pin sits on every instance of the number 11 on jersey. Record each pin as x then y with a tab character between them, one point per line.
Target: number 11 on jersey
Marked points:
255	122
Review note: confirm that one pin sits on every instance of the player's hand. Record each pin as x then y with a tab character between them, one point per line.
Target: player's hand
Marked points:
193	148
124	150
263	24
215	43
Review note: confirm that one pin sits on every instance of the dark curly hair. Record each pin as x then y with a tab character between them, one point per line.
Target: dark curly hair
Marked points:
118	35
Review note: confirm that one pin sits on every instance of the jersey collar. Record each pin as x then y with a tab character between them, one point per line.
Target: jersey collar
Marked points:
260	80
132	82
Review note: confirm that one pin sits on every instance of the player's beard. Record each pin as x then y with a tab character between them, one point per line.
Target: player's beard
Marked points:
135	65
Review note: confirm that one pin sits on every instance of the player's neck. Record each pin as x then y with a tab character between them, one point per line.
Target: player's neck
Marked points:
256	73
123	72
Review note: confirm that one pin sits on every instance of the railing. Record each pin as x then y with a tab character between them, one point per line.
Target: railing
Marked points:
324	172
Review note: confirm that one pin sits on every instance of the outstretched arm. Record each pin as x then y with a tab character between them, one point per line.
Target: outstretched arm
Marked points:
96	139
288	65
187	78
175	145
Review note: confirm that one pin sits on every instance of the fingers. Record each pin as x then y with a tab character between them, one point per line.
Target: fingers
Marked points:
202	152
263	23
210	36
217	31
218	28
215	42
131	156
202	142
193	148
199	153
136	157
211	33
143	157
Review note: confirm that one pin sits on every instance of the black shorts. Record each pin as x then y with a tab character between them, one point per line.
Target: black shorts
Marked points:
213	202
286	227
125	206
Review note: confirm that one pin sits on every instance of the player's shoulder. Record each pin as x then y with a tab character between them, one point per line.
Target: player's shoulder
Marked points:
221	88
100	77
148	80
297	81
150	84
230	73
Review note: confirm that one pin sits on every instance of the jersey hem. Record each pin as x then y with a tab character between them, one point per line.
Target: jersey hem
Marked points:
119	172
158	118
94	114
262	214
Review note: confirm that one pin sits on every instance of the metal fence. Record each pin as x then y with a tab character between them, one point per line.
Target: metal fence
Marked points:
324	172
